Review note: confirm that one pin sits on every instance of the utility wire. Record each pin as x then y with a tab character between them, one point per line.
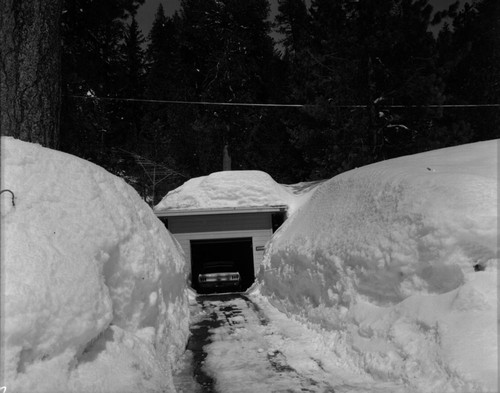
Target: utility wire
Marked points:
276	105
189	102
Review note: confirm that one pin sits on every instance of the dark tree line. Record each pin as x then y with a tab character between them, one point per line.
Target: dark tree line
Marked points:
380	54
377	83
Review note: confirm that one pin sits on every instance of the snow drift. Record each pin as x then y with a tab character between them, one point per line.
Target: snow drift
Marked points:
93	284
397	263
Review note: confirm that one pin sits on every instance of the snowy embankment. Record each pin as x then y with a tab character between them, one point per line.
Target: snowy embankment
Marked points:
93	285
396	264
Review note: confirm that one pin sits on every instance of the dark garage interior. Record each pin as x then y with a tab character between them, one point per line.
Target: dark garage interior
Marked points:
239	250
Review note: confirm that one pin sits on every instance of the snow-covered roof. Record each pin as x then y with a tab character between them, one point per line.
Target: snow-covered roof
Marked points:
226	192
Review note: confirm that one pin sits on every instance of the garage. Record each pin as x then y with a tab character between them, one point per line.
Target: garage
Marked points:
236	235
223	221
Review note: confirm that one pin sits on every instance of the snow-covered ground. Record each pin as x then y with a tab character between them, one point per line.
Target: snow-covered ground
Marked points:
395	266
93	285
256	348
383	278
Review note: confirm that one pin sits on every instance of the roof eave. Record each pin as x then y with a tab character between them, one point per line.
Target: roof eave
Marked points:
221	210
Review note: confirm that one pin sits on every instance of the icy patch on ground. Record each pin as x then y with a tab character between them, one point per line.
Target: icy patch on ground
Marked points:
93	284
401	256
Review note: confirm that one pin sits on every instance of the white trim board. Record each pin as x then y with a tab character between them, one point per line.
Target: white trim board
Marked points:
221	210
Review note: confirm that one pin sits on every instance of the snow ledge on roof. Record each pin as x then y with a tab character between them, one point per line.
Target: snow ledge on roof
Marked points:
227	190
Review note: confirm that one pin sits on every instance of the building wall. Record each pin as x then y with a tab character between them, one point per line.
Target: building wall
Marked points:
258	226
219	222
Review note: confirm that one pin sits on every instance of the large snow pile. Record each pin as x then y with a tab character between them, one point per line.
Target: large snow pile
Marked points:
229	189
397	263
93	285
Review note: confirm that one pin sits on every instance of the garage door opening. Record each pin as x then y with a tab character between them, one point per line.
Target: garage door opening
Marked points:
239	251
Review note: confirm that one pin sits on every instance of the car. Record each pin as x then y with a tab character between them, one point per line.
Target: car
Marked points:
219	274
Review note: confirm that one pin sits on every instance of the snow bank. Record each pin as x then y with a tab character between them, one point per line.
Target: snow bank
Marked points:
400	259
226	190
93	284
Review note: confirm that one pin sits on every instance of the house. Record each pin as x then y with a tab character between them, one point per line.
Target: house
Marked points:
226	216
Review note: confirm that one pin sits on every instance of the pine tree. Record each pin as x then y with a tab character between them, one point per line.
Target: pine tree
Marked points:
162	56
224	54
397	65
133	60
371	53
92	66
474	68
30	95
292	21
130	85
165	136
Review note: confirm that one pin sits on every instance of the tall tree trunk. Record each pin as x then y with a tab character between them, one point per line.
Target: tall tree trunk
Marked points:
30	59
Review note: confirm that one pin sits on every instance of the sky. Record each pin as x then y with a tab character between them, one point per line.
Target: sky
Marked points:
146	13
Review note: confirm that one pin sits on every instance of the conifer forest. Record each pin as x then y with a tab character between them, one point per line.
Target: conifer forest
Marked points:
322	87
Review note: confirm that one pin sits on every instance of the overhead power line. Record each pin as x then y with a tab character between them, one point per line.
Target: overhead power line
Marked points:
189	102
276	105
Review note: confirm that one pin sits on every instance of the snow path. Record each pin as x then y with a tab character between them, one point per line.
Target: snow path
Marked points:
252	347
